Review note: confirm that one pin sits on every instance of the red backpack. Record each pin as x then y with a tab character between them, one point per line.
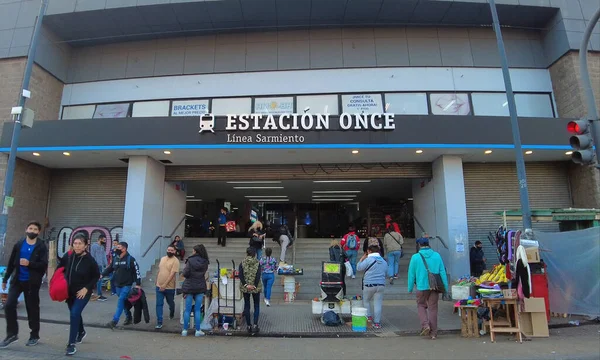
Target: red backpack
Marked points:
58	287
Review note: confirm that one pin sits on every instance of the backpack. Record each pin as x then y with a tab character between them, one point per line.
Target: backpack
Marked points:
58	287
331	318
335	254
352	242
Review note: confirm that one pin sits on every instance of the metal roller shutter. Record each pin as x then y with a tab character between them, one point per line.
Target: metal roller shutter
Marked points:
87	197
490	188
299	172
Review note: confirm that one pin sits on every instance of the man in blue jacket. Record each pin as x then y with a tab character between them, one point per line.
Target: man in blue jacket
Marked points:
427	300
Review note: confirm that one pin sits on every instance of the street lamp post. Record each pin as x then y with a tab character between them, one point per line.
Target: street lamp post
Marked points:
512	108
12	158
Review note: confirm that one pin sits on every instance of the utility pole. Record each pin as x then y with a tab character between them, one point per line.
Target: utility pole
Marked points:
512	108
592	111
10	169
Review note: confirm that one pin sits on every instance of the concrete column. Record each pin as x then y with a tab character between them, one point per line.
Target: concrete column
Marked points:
144	200
440	206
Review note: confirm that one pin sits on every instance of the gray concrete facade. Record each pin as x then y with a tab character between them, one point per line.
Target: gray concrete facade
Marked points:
553	28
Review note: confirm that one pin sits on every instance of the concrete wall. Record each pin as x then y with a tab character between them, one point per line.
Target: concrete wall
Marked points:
173	211
31	182
570	103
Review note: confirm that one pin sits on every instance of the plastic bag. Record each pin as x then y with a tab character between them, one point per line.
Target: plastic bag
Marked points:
349	271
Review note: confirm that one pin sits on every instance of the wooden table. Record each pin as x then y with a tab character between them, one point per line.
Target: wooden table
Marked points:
469	326
504	326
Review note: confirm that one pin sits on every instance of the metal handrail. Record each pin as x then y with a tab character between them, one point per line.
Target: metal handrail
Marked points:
166	237
431	237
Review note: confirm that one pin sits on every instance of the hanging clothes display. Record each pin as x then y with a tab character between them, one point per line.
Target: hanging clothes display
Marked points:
522	279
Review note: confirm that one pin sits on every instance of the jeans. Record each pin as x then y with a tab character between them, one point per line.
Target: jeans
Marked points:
123	293
259	253
373	298
32	304
113	289
285	241
256	300
76	307
169	294
427	302
393	260
197	300
268	279
352	255
99	284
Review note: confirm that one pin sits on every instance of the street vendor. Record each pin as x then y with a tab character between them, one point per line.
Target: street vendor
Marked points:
478	259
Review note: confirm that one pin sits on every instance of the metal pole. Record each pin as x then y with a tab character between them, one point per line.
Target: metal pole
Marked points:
10	169
592	110
512	107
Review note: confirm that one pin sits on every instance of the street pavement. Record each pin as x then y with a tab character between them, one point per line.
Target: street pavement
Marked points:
581	342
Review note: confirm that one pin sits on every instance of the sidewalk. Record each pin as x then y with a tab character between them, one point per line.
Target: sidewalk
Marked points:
280	320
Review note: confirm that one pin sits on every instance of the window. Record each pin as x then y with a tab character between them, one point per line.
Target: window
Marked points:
78	112
150	109
450	104
362	103
318	104
189	108
487	104
112	111
534	105
406	104
231	106
274	105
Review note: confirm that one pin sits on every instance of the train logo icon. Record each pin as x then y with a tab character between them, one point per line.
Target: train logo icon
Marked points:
207	123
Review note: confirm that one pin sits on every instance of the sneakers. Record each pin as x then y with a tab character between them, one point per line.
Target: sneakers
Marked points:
9	340
111	325
94	297
80	337
199	333
113	294
267	302
158	326
32	341
377	326
425	331
171	316
71	350
395	276
102	298
354	276
249	329
184	333
391	281
370	319
128	321
255	329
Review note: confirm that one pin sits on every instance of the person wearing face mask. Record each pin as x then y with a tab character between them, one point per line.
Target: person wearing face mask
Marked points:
478	259
126	275
98	252
165	285
29	262
82	272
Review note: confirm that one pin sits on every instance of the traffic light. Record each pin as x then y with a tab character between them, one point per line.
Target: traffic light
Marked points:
581	142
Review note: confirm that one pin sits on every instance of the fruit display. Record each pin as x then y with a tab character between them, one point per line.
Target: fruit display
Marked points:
496	276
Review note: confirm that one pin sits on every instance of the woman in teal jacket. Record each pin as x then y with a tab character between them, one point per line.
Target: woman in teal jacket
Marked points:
427	300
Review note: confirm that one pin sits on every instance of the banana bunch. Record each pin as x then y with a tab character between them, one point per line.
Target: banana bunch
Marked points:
497	275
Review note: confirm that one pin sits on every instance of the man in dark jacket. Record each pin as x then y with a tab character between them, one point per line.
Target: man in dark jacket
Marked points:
126	275
29	262
478	259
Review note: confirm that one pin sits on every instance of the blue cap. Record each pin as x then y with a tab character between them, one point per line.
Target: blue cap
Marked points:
423	241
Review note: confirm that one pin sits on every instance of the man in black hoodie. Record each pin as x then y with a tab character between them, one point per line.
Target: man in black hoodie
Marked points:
29	262
126	275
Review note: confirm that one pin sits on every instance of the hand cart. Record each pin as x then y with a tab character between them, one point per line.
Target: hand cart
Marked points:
233	299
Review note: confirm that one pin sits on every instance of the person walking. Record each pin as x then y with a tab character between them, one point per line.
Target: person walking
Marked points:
478	259
421	264
375	269
82	273
351	243
337	255
269	267
393	241
126	274
250	286
179	247
257	238
165	285
29	262
98	252
194	287
222	230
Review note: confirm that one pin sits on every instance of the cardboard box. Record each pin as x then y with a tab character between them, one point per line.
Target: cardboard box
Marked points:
534	305
534	322
509	293
533	254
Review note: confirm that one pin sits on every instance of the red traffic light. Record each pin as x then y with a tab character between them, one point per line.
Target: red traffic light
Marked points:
573	127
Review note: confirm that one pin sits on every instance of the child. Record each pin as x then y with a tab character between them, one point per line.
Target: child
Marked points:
269	266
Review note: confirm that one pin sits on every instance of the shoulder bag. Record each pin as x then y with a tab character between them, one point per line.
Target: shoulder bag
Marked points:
435	280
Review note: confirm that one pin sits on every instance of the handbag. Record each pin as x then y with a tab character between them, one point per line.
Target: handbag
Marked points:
435	280
58	287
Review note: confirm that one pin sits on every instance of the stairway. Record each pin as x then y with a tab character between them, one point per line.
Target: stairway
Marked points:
309	255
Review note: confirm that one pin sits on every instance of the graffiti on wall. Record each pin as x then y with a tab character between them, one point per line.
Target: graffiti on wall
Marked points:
66	235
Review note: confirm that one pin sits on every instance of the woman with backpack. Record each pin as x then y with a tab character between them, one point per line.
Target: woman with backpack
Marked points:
82	274
351	243
337	255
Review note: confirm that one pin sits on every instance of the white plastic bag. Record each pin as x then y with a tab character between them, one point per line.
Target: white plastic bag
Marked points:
349	272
